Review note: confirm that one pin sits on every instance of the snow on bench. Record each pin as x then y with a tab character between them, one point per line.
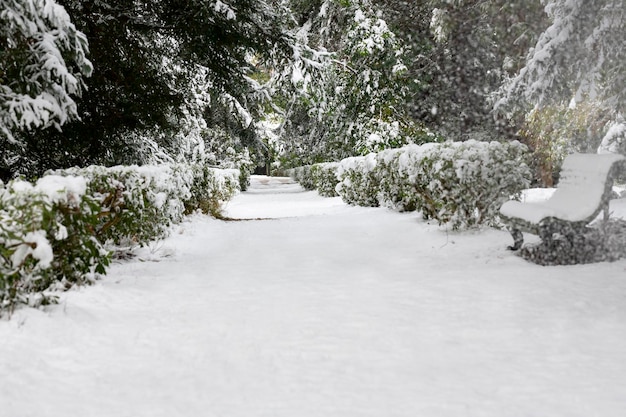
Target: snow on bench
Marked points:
584	190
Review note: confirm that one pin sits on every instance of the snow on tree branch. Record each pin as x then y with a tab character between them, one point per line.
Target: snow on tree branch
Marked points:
42	63
581	55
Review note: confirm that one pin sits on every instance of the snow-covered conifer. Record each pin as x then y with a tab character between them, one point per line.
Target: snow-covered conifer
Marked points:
42	65
579	56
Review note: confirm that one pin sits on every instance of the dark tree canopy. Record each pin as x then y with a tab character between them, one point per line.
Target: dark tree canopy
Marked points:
147	55
339	77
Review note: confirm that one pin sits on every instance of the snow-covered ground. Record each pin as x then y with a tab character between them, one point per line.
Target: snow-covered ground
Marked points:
322	309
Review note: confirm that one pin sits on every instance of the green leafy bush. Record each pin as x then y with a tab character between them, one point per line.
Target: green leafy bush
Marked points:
460	183
321	177
139	204
325	178
216	187
358	181
53	233
396	190
304	176
470	180
47	239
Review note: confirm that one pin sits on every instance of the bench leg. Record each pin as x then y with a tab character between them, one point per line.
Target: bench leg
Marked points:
518	239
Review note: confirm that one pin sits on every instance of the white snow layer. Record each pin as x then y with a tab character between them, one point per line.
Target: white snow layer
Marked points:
578	195
341	311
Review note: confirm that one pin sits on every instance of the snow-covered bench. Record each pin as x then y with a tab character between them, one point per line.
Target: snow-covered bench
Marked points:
584	190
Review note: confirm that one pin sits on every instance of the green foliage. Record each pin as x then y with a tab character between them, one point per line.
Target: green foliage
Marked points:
358	181
457	53
396	190
139	204
136	208
458	183
42	66
156	63
471	180
47	239
321	177
345	99
212	187
576	57
304	176
553	132
325	178
53	234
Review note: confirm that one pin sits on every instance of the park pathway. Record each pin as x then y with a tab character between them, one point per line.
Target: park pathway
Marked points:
318	309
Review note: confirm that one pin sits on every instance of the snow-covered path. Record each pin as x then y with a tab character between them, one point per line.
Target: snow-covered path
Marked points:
322	309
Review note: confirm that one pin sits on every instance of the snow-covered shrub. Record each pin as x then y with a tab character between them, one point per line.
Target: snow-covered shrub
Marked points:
52	234
304	176
218	148
325	178
47	238
470	181
244	174
358	180
223	184
321	177
140	203
461	183
398	190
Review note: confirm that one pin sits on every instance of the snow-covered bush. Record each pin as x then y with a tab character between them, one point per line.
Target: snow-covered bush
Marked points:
358	180
325	178
470	180
304	176
47	238
461	183
212	187
139	204
53	233
396	189
321	177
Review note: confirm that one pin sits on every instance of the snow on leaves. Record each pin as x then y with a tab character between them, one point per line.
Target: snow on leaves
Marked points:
225	10
347	91
577	57
42	66
53	234
460	183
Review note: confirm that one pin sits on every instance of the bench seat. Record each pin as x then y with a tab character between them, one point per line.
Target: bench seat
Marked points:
583	192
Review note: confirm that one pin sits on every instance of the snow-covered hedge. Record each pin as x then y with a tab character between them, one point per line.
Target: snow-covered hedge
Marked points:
321	177
358	180
460	183
53	233
304	176
47	238
325	178
139	204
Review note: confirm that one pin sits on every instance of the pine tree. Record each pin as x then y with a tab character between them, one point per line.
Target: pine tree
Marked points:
43	63
150	58
579	56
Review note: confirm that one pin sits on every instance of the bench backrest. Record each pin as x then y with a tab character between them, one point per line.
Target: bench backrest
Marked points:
585	185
